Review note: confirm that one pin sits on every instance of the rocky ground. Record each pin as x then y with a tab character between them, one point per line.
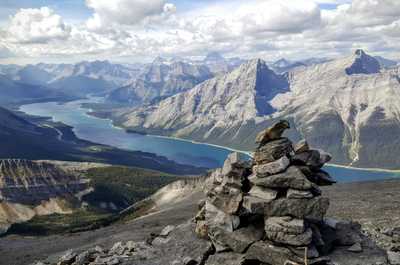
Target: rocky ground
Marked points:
373	203
266	211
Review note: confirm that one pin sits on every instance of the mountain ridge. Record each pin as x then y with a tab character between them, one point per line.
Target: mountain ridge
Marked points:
345	97
159	80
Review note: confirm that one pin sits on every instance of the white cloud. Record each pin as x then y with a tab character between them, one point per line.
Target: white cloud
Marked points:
256	28
280	16
125	12
37	26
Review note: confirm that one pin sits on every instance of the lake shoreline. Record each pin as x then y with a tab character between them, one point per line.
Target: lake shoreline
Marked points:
248	153
218	148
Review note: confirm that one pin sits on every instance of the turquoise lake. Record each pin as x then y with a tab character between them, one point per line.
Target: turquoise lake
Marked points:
101	131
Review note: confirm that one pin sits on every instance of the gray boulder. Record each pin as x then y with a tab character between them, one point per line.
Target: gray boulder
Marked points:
112	260
167	230
292	178
68	258
346	233
322	178
182	248
355	248
302	239
271	168
227	258
233	170
217	218
299	194
118	248
285	224
83	258
301	146
263	193
273	150
226	198
312	158
240	239
254	205
287	230
393	257
312	209
268	253
311	251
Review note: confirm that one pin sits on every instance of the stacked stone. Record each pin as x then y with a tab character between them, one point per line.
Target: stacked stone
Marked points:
219	216
285	190
273	206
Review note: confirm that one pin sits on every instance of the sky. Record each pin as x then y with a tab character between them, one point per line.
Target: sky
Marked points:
65	31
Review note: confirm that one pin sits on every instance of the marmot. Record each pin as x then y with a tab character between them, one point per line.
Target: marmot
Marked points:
273	132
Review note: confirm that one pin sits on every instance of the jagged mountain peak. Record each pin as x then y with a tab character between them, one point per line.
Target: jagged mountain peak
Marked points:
228	102
362	63
266	79
254	65
360	52
251	72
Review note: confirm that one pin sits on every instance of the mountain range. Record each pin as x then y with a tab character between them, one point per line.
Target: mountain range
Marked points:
159	80
218	110
283	65
354	102
133	84
14	92
75	79
216	101
347	106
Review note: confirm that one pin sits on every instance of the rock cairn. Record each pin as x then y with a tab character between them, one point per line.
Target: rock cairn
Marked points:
271	209
267	211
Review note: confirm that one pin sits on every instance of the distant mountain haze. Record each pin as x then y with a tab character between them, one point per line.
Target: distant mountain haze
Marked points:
14	92
160	80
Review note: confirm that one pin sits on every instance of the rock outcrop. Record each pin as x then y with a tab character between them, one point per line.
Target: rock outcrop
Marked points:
29	188
267	211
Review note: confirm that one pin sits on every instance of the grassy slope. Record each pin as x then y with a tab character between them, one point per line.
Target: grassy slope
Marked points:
121	186
124	186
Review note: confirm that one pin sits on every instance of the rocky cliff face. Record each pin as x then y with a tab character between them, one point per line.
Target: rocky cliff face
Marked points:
347	106
218	110
363	64
29	188
268	211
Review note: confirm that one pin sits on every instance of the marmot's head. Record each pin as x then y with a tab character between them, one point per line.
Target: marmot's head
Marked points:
283	125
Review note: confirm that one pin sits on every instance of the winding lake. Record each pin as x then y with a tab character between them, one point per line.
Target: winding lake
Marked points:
102	131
